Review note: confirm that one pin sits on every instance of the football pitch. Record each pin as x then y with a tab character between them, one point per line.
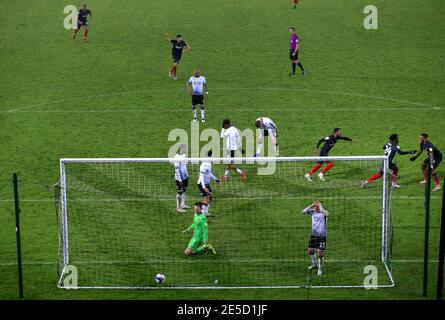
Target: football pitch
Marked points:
111	97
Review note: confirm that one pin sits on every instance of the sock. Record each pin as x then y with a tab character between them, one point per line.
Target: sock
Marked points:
277	149
293	68
174	70
436	180
205	209
314	169
238	170
194	112
259	148
313	259
424	173
394	176
320	263
300	66
85	34
183	200
375	177
202	113
226	172
329	166
178	200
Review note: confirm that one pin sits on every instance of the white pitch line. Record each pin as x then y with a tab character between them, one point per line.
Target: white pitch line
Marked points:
360	95
37	263
231	199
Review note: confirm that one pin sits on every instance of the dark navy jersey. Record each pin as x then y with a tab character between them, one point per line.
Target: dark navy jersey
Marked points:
82	16
178	46
430	148
391	148
329	143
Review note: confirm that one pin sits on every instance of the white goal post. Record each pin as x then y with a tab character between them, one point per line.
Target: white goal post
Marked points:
118	224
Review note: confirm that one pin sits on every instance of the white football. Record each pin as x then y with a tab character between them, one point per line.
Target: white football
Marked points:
160	278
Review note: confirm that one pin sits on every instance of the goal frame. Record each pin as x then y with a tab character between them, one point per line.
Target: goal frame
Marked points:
386	201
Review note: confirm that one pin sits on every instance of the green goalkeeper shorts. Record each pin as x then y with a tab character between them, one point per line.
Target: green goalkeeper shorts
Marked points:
195	244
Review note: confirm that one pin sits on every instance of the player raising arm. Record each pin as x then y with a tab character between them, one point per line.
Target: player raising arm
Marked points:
266	127
205	175
233	143
433	160
317	243
391	149
199	242
179	46
181	177
329	143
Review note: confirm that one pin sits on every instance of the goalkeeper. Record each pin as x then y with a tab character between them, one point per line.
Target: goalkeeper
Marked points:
199	242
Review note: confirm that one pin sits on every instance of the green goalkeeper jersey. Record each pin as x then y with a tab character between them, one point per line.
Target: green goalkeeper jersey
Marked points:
200	229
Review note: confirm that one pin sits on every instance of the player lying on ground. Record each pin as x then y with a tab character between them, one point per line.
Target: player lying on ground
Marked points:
294	49
195	87
433	160
232	139
329	143
205	175
266	128
181	177
391	149
199	242
179	46
317	243
82	21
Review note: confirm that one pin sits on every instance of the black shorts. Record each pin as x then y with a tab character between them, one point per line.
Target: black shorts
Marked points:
181	186
291	56
391	166
203	193
317	243
197	100
436	162
82	24
176	58
323	154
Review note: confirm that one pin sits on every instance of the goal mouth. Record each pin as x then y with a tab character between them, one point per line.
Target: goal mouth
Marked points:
119	225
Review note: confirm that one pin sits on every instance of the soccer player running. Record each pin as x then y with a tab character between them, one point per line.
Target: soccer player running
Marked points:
329	143
433	160
294	49
205	175
196	86
82	21
233	143
179	46
391	149
266	127
181	177
317	243
199	242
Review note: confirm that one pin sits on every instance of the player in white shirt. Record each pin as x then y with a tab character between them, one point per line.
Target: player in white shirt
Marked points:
266	127
196	86
317	244
205	176
181	177
233	143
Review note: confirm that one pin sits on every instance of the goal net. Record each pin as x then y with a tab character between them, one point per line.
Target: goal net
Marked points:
118	224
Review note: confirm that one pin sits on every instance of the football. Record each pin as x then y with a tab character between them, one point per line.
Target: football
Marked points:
160	278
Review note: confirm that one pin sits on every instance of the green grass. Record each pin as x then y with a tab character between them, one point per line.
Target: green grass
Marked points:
111	97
